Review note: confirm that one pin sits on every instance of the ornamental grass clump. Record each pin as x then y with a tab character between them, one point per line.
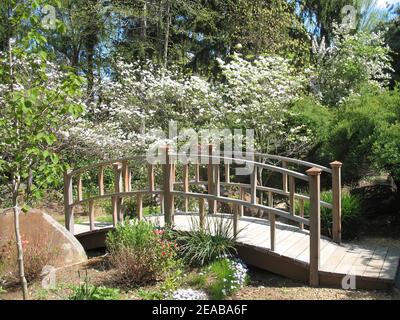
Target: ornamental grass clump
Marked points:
199	247
139	253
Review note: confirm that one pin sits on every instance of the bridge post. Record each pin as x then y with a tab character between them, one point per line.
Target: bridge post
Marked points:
285	177
336	201
253	185
186	186
202	214
168	187
116	200
210	178
126	176
315	224
68	201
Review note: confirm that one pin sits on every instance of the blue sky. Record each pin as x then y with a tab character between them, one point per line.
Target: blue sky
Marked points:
382	3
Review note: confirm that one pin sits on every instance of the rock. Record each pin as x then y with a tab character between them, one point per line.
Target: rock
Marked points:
38	227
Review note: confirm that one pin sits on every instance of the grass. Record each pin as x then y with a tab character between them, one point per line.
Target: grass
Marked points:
199	247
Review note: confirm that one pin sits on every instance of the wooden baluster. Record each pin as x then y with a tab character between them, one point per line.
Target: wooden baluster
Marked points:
202	213
197	172
260	212
150	172
242	196
126	176
68	201
253	185
227	173
336	201
217	186
236	214
292	194
139	206
168	188
315	224
79	187
162	211
117	202
272	220
210	178
101	180
186	186
91	215
284	177
302	212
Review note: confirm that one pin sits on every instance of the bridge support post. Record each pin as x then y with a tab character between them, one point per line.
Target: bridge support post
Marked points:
210	178
253	185
117	201
336	201
202	214
186	187
68	200
315	224
168	187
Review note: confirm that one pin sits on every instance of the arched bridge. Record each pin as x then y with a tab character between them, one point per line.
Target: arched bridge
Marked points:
281	239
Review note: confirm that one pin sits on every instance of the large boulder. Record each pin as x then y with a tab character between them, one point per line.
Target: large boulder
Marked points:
40	229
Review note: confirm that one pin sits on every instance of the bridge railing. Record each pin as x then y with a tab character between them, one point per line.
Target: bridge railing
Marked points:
168	190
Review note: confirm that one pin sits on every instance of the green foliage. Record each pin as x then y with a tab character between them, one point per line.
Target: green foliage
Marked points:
200	247
356	132
225	278
311	114
140	253
386	150
351	214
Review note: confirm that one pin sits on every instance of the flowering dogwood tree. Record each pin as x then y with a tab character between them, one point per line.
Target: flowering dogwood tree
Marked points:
139	98
351	61
257	95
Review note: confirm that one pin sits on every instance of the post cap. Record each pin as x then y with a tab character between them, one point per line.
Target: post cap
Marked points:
314	171
117	165
336	164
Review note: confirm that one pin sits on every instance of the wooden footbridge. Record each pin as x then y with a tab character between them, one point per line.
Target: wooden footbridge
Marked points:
280	239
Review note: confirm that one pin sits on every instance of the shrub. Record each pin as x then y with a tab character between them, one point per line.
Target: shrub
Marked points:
351	214
358	137
139	253
386	150
200	247
38	253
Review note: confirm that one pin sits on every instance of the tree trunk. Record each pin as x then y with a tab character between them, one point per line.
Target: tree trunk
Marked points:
20	258
143	33
16	181
90	46
166	39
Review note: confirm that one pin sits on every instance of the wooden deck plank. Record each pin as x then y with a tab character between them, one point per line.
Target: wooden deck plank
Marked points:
289	242
362	261
334	259
375	264
347	262
301	245
391	264
327	251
